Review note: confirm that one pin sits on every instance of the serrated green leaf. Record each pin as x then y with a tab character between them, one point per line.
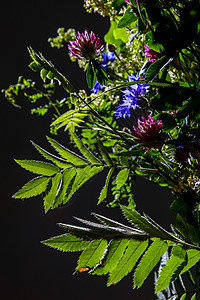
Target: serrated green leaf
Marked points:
142	223
85	152
67	154
61	163
114	253
133	252
50	197
122	177
193	257
169	272
149	261
145	223
67	242
38	167
104	153
82	175
92	254
104	191
66	179
33	188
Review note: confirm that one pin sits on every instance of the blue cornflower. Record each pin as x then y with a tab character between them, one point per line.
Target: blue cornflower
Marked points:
107	57
132	95
123	110
97	87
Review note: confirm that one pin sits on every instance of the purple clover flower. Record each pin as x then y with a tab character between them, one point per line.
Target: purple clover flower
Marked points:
86	45
132	97
153	55
149	131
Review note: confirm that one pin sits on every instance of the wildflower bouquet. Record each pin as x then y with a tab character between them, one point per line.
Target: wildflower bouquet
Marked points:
138	116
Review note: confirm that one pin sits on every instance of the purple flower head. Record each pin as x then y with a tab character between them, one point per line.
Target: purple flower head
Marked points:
137	89
86	45
153	55
123	110
107	57
97	87
149	131
133	97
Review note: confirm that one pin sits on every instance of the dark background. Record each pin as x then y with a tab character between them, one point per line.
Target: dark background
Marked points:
30	270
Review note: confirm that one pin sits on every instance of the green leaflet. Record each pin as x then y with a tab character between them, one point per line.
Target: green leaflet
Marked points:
86	153
193	257
69	119
144	223
105	154
183	296
92	254
50	197
67	242
82	175
156	67
113	254
33	188
38	167
66	179
104	190
169	272
122	177
61	163
149	261
127	19
67	154
127	262
194	297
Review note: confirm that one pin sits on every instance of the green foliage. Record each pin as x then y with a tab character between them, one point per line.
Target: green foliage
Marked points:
115	249
168	155
170	272
95	73
62	180
149	261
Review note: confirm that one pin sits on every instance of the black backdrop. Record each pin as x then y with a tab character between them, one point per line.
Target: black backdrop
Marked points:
30	270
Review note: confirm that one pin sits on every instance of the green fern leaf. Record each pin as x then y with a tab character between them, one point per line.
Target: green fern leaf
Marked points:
61	163
149	261
104	154
122	177
50	197
172	269
86	153
82	175
67	154
67	242
113	254
104	191
193	257
66	179
92	254
38	167
33	188
127	262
